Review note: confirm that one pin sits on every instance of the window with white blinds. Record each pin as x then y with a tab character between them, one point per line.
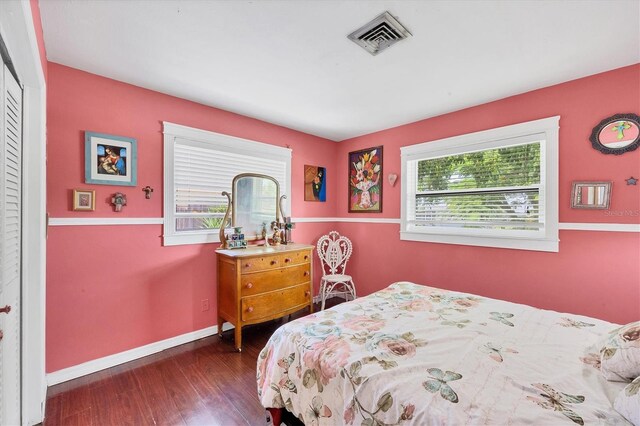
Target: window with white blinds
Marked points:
199	165
496	188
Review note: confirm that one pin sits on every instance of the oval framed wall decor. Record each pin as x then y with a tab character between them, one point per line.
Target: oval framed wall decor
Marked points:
617	134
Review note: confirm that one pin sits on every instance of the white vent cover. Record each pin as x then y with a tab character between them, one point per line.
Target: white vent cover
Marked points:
379	34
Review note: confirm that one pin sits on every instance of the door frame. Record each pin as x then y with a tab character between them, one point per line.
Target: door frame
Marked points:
18	32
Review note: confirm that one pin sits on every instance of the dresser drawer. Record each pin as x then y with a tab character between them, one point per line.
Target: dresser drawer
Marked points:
265	281
270	304
274	261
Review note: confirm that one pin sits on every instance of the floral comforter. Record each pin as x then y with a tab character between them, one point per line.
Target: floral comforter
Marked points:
411	354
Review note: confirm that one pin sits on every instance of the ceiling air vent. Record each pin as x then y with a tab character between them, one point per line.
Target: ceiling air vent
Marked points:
379	34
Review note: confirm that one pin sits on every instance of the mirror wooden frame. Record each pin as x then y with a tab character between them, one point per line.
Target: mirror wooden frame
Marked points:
231	206
596	142
577	203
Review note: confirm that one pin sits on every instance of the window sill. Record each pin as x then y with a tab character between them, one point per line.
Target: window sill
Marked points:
548	245
184	239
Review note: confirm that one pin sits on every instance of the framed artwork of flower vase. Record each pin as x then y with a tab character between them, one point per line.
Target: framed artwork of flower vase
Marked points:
110	160
315	187
365	185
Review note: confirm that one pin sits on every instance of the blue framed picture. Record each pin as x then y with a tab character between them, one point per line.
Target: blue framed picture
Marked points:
110	160
315	187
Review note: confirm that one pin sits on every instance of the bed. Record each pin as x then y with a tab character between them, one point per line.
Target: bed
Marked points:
412	354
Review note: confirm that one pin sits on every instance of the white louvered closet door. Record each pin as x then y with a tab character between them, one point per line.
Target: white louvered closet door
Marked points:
10	247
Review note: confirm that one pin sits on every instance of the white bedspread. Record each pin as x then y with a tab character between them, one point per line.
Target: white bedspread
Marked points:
412	354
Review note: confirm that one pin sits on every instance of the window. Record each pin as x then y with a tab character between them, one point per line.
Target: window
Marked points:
198	166
496	188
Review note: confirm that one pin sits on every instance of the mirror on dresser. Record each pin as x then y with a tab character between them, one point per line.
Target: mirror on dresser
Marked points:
254	205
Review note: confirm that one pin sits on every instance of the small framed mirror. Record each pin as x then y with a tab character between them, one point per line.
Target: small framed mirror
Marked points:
590	195
617	134
256	201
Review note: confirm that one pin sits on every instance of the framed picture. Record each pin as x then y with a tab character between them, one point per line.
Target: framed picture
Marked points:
84	200
617	134
365	185
110	160
590	195
315	188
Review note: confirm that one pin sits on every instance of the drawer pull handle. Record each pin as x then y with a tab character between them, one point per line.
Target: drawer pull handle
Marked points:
287	260
250	309
307	293
246	265
306	273
273	262
249	285
306	257
5	310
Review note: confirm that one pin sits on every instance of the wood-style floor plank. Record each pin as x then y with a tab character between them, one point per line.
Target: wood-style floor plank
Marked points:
200	383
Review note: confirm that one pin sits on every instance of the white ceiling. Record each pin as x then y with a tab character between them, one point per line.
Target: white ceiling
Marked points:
290	62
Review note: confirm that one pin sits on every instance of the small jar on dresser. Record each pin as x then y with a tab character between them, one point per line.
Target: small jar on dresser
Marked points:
261	283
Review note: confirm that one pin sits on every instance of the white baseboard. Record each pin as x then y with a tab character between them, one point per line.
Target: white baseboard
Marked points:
120	358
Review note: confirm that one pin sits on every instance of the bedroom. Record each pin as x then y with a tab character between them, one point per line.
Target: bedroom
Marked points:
103	288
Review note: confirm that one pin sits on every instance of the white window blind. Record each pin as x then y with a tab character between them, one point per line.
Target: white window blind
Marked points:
495	188
199	166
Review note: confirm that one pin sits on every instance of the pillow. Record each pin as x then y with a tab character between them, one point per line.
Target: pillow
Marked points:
627	402
620	356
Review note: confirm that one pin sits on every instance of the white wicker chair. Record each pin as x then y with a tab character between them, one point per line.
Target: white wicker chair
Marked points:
334	252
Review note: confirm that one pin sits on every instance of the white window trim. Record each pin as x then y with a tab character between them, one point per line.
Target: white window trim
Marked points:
488	139
172	131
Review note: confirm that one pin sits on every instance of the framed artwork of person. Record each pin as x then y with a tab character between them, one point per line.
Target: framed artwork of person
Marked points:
315	183
110	160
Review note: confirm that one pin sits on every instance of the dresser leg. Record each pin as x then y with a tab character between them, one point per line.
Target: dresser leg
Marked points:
220	323
238	338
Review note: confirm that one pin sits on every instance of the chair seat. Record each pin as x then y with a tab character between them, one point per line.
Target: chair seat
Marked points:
337	278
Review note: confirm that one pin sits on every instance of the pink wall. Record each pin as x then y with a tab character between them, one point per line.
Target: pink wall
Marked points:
37	24
595	273
114	288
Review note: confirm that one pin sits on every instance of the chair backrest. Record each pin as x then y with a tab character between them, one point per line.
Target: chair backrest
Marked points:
334	251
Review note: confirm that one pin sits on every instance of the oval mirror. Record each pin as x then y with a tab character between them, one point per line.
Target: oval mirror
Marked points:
617	134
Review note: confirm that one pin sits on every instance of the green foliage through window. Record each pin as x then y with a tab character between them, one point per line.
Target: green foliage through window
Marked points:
490	188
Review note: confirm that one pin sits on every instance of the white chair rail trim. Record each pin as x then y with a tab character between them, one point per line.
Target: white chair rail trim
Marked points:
565	226
97	221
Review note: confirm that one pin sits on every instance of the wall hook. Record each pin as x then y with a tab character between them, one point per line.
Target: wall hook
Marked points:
118	200
147	192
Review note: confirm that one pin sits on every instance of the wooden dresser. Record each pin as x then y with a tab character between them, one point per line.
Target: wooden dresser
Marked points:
258	284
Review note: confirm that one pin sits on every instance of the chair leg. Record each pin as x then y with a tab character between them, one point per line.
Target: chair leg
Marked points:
323	296
353	290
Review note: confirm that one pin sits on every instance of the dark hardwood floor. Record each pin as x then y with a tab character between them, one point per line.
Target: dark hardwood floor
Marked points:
205	382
